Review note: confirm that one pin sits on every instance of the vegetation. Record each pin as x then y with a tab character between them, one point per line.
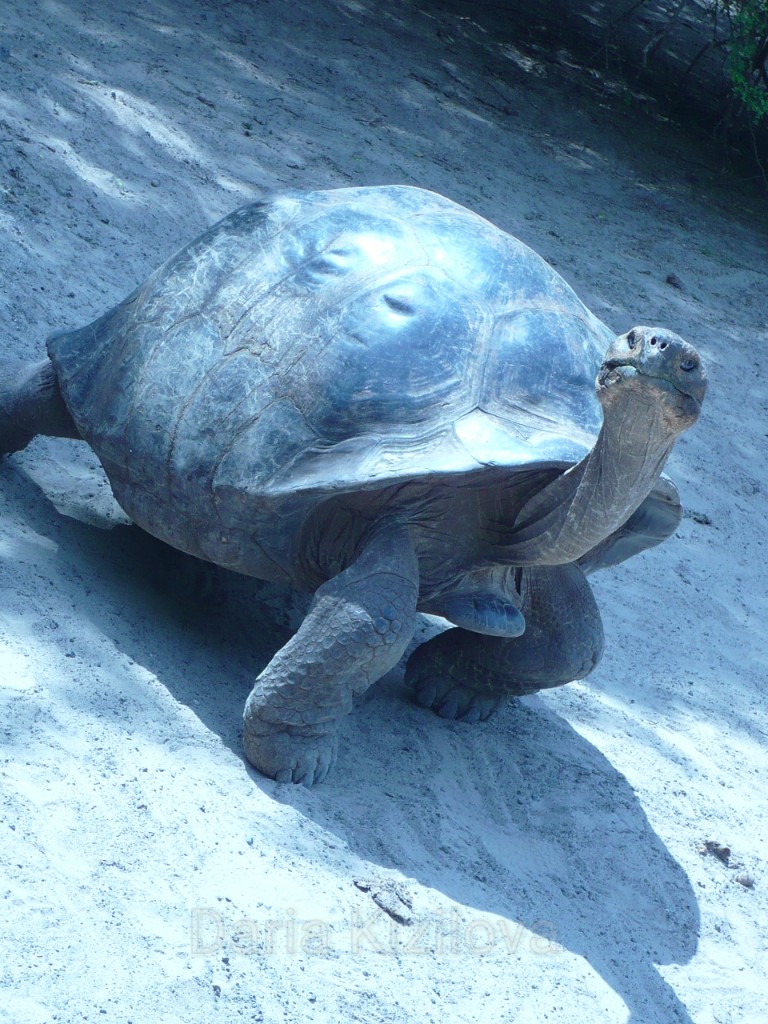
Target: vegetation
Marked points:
748	53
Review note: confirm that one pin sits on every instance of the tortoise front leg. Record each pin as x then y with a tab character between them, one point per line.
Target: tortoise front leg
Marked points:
357	628
463	675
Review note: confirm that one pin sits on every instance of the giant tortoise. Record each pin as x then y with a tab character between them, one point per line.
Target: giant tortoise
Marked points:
375	395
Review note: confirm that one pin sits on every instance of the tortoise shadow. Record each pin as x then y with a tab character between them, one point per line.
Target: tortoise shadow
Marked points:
520	817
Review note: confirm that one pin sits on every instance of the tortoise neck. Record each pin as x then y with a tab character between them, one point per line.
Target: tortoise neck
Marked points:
588	502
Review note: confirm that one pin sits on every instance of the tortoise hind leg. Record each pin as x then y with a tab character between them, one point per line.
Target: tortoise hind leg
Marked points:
31	404
466	676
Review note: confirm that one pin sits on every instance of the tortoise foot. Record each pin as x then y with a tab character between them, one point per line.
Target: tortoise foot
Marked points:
457	702
289	753
435	687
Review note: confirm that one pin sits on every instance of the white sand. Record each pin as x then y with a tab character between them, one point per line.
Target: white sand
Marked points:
550	857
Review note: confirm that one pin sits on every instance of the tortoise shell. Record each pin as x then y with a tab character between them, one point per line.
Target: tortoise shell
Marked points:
324	343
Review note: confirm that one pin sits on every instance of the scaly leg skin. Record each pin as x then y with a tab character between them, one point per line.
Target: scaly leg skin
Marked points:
357	628
466	676
30	404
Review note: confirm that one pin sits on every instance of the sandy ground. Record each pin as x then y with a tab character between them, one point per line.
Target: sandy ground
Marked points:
545	866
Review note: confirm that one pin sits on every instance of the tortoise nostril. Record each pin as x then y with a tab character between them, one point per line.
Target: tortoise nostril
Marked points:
663	345
653	340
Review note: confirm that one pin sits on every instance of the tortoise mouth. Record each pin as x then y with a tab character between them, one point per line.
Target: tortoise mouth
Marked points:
614	371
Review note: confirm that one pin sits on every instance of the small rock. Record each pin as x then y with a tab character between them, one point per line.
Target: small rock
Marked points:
674	280
698	517
389	896
154	183
722	853
746	880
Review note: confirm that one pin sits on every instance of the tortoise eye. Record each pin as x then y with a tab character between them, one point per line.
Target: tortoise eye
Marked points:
631	339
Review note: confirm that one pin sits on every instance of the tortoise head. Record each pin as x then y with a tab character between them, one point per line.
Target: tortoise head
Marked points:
658	369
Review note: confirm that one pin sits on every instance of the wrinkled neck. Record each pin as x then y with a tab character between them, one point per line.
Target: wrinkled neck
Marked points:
587	503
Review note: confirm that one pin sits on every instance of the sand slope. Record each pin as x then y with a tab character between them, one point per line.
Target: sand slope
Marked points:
543	866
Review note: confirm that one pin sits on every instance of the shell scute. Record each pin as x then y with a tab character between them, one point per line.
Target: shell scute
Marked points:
392	359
